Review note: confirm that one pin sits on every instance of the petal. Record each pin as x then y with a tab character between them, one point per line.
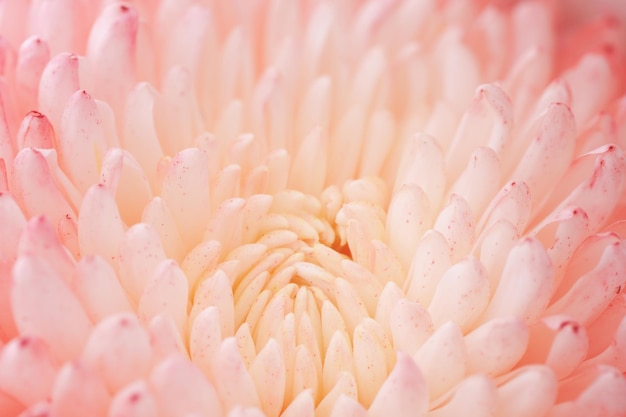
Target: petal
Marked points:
408	217
39	239
301	406
79	391
593	291
526	283
185	190
82	140
527	392
235	387
59	81
461	296
44	305
122	173
32	58
268	373
442	359
36	131
100	228
119	350
35	187
474	396
180	389
205	339
411	326
431	260
111	50
496	346
404	393
135	400
98	289
559	342
27	370
165	292
422	164
140	253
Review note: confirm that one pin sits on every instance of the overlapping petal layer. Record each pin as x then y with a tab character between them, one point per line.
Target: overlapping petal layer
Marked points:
312	208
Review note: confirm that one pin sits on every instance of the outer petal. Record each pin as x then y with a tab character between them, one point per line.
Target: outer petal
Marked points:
44	305
404	393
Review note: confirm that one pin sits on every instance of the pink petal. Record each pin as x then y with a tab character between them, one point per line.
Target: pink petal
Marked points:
562	237
216	291
301	406
119	350
404	393
100	228
337	360
377	144
201	259
140	253
592	69
461	296
79	391
135	400
422	165
166	291
59	81
597	391
122	173
598	193
527	392
348	407
411	326
487	122
235	386
268	373
32	58
512	203
180	389
483	168
494	245
345	386
45	21
44	305
615	353
526	283
159	216
139	131
40	239
496	346
474	396
205	338
550	153
185	190
593	291
35	132
311	156
246	412
442	359
165	338
559	342
111	50
99	289
408	217
13	222
27	370
430	261
81	140
35	187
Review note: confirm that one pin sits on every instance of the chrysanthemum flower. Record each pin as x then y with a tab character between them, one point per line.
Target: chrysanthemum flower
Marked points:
312	208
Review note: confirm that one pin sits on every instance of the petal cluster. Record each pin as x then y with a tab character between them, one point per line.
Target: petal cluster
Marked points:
312	208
